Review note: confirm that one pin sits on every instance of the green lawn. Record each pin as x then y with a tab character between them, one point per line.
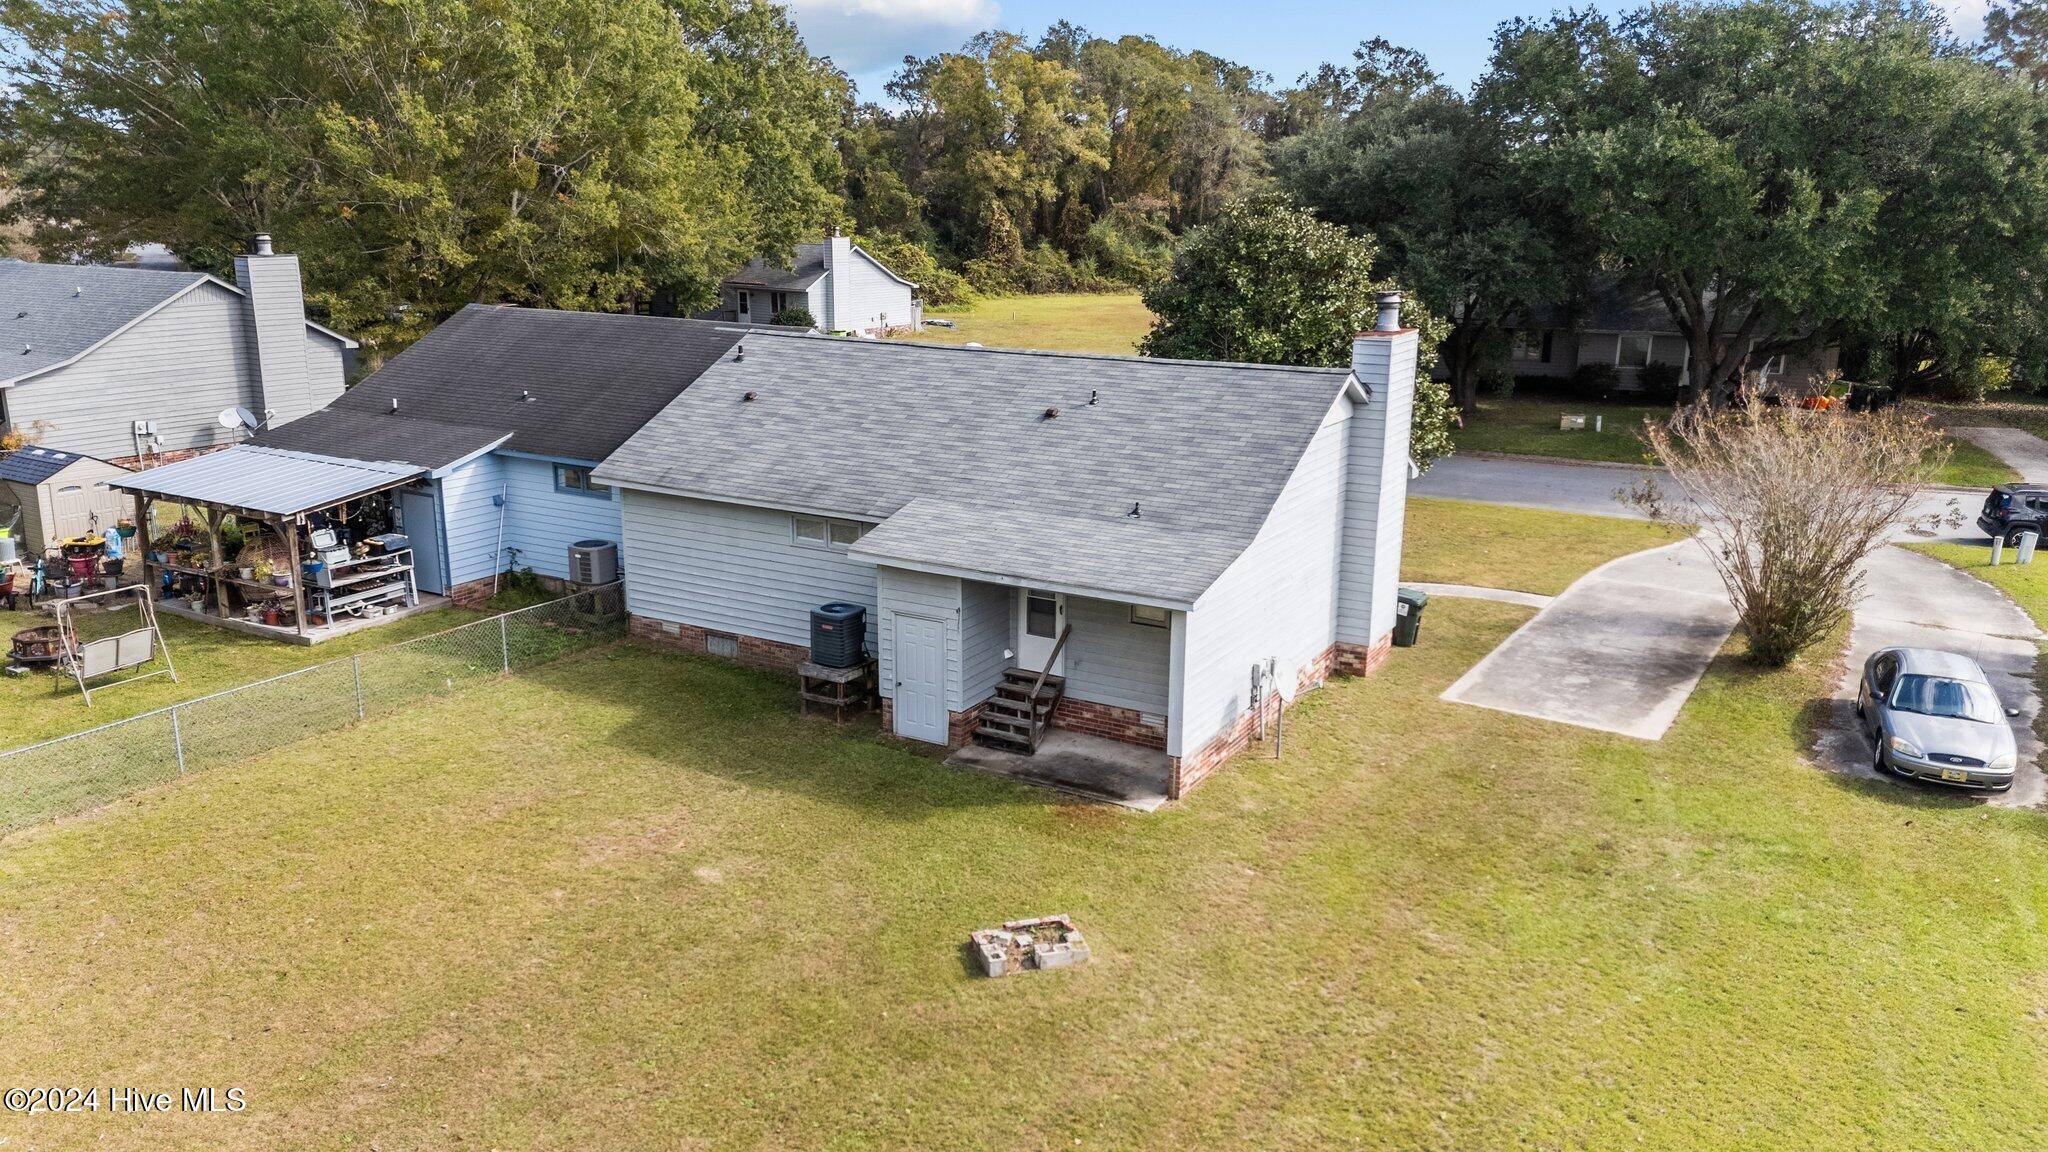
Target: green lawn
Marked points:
1528	426
1455	542
632	901
1074	322
42	705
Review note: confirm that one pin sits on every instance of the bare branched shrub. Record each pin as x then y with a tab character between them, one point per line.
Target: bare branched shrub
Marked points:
1790	502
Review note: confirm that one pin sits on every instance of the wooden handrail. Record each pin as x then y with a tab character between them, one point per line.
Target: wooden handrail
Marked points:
1050	660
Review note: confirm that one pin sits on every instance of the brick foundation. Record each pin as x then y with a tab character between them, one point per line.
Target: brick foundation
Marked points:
753	650
959	725
1109	721
1337	659
474	593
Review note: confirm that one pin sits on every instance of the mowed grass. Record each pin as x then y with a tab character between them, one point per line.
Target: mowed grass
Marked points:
43	705
633	901
1528	426
1111	322
1457	542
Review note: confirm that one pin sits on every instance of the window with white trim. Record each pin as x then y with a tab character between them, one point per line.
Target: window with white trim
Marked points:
1771	367
819	532
1632	349
576	478
1533	345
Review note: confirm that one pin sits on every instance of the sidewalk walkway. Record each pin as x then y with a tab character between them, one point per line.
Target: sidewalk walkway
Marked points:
2024	452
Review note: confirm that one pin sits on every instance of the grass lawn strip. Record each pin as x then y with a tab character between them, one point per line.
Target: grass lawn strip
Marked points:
1522	550
1111	323
632	900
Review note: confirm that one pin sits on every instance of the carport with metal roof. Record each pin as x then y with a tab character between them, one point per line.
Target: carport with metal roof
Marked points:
328	515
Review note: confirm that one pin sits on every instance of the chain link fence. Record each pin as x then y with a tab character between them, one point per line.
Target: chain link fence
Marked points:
73	773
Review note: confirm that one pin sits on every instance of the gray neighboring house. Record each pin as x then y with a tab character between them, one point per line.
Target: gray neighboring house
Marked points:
135	365
1630	333
842	286
1186	546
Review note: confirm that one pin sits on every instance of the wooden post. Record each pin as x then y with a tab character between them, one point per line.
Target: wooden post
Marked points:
215	584
291	543
142	505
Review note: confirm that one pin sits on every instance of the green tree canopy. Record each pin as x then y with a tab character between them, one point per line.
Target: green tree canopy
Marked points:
422	154
1268	283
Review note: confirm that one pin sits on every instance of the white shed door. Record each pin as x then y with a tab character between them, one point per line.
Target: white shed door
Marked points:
75	510
920	693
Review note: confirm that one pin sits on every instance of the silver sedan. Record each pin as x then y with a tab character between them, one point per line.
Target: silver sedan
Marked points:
1932	716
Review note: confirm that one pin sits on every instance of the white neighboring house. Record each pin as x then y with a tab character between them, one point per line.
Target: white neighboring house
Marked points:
135	365
1180	547
842	286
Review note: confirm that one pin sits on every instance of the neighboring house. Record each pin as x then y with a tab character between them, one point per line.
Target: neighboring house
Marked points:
1630	333
505	411
842	286
133	365
1201	534
57	495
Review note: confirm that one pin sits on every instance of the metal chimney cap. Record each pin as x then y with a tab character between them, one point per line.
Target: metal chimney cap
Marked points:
1390	312
259	245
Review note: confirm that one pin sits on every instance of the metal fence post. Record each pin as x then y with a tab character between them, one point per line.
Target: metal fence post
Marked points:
505	643
357	661
178	741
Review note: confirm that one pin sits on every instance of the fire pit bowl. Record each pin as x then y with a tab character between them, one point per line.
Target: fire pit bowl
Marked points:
43	645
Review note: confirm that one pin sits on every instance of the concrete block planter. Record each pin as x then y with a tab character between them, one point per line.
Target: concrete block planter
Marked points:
1043	943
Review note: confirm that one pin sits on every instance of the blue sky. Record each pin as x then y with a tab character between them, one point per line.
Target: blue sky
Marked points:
1282	37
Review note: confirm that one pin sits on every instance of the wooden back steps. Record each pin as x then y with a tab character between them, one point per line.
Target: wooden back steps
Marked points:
1016	717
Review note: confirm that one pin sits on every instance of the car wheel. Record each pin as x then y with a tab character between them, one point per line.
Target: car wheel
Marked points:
1877	763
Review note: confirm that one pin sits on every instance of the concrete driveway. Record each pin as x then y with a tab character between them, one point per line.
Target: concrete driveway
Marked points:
1918	601
2024	452
1618	651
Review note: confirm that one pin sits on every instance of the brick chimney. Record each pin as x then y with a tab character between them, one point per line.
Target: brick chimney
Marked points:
1375	488
277	331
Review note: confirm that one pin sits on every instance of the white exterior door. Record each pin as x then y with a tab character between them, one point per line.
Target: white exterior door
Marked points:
73	504
1041	617
919	699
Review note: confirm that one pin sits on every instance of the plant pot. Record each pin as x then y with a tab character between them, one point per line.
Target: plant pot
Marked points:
245	573
281	580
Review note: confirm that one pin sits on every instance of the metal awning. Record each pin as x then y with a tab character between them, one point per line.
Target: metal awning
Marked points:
272	481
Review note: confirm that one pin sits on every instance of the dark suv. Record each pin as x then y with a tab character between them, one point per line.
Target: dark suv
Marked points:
2012	509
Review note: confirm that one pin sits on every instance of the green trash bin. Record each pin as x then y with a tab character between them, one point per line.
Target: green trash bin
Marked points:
1408	606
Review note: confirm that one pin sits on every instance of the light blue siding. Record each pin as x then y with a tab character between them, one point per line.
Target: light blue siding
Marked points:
469	517
733	569
542	522
987	615
1276	601
1110	660
937	598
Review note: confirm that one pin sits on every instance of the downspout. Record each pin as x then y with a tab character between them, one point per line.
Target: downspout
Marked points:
498	557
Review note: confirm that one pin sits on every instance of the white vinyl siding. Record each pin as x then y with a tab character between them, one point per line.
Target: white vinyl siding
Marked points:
917	594
987	615
733	569
179	367
1375	501
1110	660
469	520
861	296
1279	600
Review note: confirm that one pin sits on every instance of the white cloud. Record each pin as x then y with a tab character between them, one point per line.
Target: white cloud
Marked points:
869	35
1966	16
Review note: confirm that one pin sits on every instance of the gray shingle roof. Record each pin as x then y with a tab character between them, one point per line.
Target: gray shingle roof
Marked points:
805	270
863	428
35	464
56	311
572	385
267	479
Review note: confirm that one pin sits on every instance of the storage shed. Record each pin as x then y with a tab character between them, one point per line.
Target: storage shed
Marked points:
52	495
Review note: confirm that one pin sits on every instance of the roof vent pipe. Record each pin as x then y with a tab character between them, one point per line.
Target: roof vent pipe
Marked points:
739	353
1093	396
1390	312
394	405
260	245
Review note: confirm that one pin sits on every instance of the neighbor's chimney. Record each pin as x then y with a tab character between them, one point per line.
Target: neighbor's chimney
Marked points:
838	255
277	330
1375	488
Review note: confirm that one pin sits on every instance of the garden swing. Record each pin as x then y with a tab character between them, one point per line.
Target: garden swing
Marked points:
119	643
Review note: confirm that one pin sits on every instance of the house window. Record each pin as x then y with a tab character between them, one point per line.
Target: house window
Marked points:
576	478
1632	349
1147	615
778	302
1041	614
1533	345
1770	367
818	532
746	299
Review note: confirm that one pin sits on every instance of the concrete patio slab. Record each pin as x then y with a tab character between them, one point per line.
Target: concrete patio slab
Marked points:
1619	651
1087	766
2024	452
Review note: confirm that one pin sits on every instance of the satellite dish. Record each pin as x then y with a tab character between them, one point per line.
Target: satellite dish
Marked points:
238	418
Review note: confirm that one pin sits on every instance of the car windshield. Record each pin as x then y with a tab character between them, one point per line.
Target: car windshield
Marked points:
1938	696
